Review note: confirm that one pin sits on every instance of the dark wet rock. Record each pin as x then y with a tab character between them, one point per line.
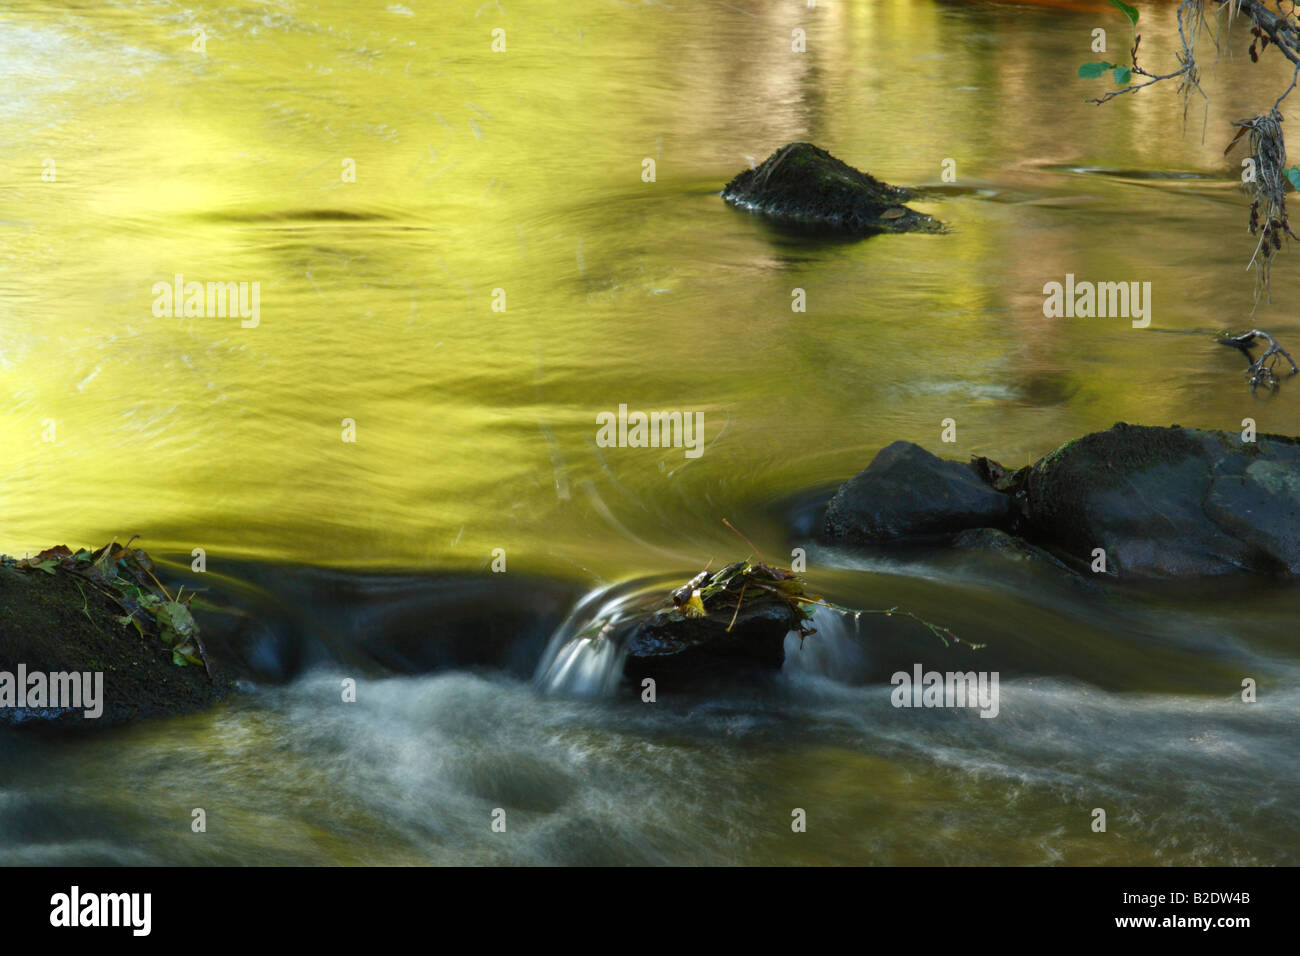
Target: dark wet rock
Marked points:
1160	502
802	185
661	649
906	492
1170	502
999	477
668	642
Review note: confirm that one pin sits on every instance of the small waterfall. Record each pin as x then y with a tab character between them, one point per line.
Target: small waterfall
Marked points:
586	654
584	659
836	651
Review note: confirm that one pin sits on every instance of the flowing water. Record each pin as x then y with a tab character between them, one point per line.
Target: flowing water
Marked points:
514	178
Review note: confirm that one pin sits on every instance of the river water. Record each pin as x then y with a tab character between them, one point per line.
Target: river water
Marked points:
515	178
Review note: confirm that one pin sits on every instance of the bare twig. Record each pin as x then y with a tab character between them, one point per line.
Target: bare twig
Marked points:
1260	373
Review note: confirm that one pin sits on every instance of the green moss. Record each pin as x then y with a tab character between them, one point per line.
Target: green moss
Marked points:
1109	458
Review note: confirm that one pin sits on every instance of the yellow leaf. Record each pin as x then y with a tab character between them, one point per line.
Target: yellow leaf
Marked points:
695	606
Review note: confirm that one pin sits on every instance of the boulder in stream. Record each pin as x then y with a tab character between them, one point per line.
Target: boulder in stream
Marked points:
719	623
804	186
1161	502
1170	502
906	492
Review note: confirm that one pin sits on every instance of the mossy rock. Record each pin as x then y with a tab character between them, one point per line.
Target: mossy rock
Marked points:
1170	502
54	620
1160	502
804	186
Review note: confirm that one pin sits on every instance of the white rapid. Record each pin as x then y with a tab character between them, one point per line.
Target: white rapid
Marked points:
836	650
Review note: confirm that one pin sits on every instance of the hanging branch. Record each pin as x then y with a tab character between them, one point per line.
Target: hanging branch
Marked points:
1274	27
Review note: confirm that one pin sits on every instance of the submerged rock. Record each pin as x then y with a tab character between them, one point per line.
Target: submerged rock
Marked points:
1008	547
1160	502
802	185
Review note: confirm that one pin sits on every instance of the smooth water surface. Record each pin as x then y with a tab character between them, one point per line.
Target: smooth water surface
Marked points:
521	171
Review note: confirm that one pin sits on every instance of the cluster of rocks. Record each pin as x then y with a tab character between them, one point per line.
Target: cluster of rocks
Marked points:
1159	502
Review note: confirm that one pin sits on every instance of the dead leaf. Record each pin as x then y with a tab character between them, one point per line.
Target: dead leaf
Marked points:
1240	133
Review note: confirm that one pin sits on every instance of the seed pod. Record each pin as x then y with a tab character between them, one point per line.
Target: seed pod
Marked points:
1254	57
683	593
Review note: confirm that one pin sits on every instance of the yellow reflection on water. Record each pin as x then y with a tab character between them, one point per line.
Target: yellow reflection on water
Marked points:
521	171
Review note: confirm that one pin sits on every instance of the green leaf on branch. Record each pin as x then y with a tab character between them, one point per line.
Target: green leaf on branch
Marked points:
1130	12
1293	174
1090	71
1123	74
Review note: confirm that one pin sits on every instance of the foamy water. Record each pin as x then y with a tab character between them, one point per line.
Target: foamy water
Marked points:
415	768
